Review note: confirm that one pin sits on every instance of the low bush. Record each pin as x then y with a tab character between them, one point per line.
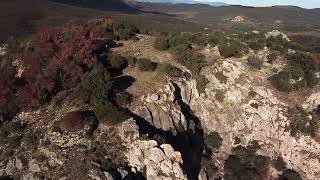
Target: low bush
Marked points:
255	62
96	88
233	48
123	98
281	81
145	64
220	95
245	165
221	77
118	62
300	122
202	82
179	41
161	43
125	30
170	70
132	61
272	57
277	44
295	72
256	41
290	175
214	140
279	164
192	60
199	39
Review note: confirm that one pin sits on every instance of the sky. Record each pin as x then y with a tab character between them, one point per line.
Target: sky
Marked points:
301	3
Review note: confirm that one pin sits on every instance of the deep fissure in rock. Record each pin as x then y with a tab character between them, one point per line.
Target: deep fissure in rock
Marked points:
189	143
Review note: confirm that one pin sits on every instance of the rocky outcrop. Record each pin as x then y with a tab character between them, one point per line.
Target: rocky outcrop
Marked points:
158	161
162	112
276	33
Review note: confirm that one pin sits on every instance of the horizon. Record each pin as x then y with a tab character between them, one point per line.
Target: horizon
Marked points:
309	4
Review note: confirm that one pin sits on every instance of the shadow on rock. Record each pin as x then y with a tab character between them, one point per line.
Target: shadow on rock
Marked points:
189	143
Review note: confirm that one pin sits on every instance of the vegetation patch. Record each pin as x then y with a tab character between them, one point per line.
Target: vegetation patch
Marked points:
221	77
245	164
279	164
302	122
214	140
170	70
220	95
96	89
232	48
255	62
290	174
145	64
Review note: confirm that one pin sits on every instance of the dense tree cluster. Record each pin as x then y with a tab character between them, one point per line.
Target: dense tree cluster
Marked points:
56	59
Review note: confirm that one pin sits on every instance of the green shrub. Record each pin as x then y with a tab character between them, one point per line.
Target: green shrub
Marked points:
219	95
256	41
281	81
95	83
170	70
255	62
109	112
161	43
300	122
301	59
145	64
132	61
279	164
295	72
214	140
277	44
191	59
232	48
221	77
199	39
117	61
96	88
272	57
245	164
290	175
202	82
179	40
123	98
124	30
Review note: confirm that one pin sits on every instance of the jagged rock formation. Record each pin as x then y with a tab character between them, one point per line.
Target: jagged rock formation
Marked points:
79	153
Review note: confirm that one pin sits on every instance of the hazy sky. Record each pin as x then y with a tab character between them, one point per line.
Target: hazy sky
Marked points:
301	3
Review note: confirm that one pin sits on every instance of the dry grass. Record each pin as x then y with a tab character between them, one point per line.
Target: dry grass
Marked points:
143	48
146	81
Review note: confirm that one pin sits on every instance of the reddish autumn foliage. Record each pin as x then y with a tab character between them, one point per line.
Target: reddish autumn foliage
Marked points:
72	121
7	87
57	60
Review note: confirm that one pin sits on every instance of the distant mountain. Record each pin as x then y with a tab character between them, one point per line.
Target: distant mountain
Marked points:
105	5
215	4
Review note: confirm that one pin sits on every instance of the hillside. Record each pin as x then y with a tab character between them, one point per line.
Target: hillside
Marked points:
288	18
22	18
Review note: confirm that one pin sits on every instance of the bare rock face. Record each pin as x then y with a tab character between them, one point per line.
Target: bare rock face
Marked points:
161	111
276	33
159	162
312	102
250	111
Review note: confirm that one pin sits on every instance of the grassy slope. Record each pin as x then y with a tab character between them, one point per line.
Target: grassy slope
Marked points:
20	18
